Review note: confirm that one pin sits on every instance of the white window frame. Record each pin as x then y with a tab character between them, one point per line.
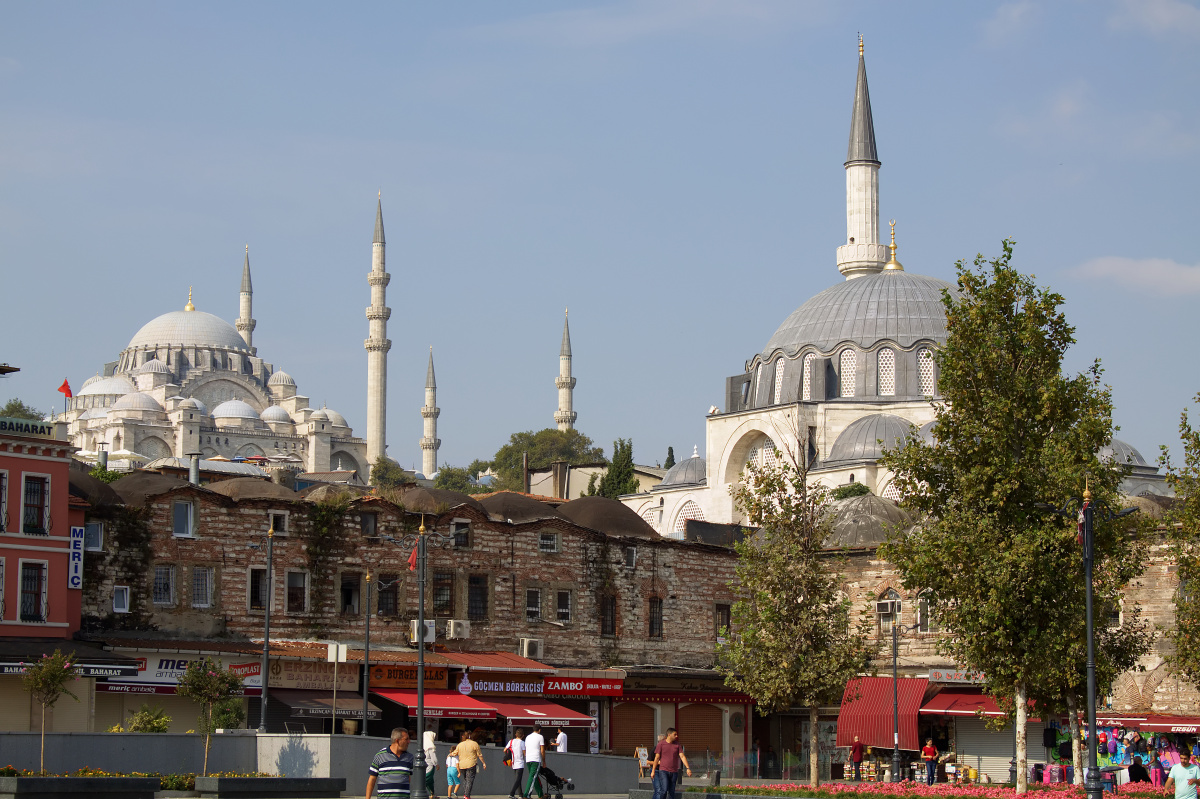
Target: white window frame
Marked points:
45	599
542	537
287	590
211	572
4	501
100	547
191	522
460	526
925	355
45	508
286	521
532	591
558	610
170	601
120	591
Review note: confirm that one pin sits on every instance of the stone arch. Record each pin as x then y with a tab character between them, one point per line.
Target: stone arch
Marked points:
214	388
209	452
247	450
153	447
688	509
737	449
347	460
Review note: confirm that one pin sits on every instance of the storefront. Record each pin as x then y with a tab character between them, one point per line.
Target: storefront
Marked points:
712	725
590	692
870	706
957	719
19	713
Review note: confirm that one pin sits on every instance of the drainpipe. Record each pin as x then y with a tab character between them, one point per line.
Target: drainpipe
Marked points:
194	468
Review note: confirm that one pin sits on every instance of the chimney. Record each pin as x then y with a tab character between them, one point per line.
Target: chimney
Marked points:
560	474
194	468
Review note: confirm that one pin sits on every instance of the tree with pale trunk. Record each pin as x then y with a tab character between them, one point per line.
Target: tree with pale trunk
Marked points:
47	681
211	685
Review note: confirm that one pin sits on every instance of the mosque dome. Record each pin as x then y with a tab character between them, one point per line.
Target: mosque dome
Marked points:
926	433
235	409
137	401
892	305
281	378
96	378
193	404
319	415
117	385
188	329
153	366
691	471
1122	453
607	516
865	439
275	413
336	419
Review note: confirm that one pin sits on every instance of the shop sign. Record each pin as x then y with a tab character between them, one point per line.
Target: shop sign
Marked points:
494	683
955	676
308	675
405	676
594	732
160	673
75	562
582	686
669	684
82	669
25	427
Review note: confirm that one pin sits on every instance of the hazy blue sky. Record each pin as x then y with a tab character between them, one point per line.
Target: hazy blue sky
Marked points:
672	171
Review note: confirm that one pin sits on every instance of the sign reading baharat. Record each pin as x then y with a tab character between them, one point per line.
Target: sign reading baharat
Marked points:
25	427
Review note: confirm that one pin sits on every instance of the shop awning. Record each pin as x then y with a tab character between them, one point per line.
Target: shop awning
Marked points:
867	712
1186	724
547	713
92	659
439	703
319	704
961	703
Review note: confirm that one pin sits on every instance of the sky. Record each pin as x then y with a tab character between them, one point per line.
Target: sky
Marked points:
670	171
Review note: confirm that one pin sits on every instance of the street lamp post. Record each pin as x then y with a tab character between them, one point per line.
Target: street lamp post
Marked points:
266	653
897	628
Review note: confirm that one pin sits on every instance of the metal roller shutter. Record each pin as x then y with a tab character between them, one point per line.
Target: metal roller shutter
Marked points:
983	749
632	726
16	706
700	729
110	711
73	714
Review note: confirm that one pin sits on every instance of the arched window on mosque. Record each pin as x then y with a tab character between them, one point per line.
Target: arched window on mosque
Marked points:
690	510
806	377
925	373
887	372
778	380
847	371
892	492
758	382
650	517
887	610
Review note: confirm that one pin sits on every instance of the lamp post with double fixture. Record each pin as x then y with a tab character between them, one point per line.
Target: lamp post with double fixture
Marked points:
897	629
269	589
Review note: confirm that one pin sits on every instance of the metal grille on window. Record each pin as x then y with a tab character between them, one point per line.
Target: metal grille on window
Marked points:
925	373
778	381
258	589
548	542
443	593
533	604
758	383
650	517
564	606
888	610
690	510
33	592
164	585
477	597
34	522
462	534
892	492
806	392
202	586
656	617
608	615
387	600
847	372
770	455
887	372
723	619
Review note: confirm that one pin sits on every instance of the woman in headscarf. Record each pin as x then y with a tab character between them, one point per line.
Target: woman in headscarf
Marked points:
431	758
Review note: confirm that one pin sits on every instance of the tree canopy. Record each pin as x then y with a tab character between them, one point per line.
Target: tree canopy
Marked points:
16	409
1005	578
456	478
670	461
1185	542
619	478
544	447
387	474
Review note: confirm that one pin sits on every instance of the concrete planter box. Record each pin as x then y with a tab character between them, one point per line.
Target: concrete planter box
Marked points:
75	787
711	794
264	787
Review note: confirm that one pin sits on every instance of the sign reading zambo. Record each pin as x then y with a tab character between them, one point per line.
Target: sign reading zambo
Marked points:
582	686
397	676
26	427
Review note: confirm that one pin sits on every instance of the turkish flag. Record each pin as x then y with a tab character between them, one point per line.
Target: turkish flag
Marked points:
65	389
412	560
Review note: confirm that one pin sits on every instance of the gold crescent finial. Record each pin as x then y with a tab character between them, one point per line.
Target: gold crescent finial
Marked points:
189	306
247	249
860	44
892	222
892	263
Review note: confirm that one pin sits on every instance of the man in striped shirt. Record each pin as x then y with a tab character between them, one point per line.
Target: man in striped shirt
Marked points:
391	769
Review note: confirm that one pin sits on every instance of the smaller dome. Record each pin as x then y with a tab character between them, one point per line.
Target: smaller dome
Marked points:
319	415
281	378
692	471
518	508
193	404
926	433
1121	453
336	419
153	366
865	439
418	476
607	516
275	414
235	409
96	378
137	401
117	385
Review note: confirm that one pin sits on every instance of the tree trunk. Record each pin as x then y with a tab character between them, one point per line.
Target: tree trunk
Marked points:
814	761
207	738
42	756
1076	738
1022	713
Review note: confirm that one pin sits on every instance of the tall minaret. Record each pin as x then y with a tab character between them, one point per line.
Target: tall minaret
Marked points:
245	320
862	254
430	442
377	345
565	417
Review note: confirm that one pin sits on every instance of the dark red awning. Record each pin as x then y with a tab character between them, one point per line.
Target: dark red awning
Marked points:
439	703
548	714
867	711
962	703
1185	724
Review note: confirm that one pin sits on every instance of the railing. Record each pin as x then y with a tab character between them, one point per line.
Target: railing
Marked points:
733	766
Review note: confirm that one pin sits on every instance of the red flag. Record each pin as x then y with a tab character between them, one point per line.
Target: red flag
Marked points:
65	389
412	560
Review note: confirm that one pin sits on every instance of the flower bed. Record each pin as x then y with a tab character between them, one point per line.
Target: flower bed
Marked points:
914	790
166	782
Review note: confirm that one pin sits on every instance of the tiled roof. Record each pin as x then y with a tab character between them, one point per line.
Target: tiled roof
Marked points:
303	650
497	661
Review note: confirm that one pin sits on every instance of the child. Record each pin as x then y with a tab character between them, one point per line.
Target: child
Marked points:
452	774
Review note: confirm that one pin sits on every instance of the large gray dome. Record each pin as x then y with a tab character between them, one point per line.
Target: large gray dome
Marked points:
116	385
891	305
188	329
861	440
691	471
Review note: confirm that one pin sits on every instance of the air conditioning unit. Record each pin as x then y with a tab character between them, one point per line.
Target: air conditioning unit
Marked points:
887	607
458	628
430	632
531	648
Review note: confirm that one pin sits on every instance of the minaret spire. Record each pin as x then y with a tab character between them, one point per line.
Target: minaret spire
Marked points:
377	343
862	254
245	321
430	443
565	416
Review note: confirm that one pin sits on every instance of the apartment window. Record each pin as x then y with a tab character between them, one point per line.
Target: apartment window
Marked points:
351	589
656	619
120	599
722	620
369	524
34	520
389	596
533	604
202	586
93	537
297	592
608	615
3	502
258	589
33	592
164	585
888	611
477	597
443	593
461	532
925	622
548	542
564	607
279	521
631	557
182	520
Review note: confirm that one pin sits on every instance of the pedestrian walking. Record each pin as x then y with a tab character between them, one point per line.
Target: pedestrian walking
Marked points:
452	780
930	753
431	759
657	778
535	756
516	758
1184	776
391	768
667	757
856	757
560	742
470	759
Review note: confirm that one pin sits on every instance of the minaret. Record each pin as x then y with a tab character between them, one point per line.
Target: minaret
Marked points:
377	345
430	442
565	417
245	320
862	254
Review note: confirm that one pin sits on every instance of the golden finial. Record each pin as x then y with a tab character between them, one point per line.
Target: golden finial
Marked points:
422	528
892	263
247	249
189	306
860	44
1087	491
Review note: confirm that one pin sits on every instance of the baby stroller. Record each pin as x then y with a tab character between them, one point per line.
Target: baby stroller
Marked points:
554	784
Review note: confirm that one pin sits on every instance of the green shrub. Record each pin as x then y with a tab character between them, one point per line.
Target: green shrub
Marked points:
851	490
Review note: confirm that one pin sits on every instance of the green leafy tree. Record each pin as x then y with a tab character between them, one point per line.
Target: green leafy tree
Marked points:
47	681
387	474
16	409
793	640
544	447
619	478
211	685
456	478
148	718
670	461
1005	577
851	490
1185	543
106	475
